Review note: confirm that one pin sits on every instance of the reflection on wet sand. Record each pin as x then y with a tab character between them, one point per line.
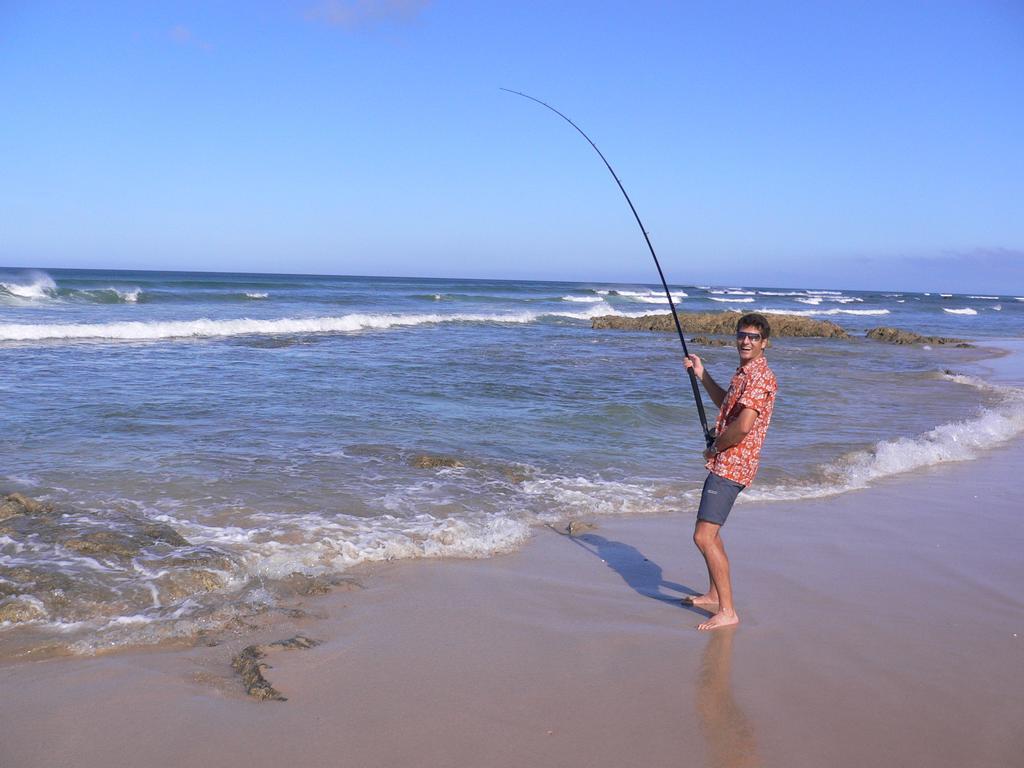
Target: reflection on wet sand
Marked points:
729	733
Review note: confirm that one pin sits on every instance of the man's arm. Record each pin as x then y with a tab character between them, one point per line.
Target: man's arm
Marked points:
715	392
737	429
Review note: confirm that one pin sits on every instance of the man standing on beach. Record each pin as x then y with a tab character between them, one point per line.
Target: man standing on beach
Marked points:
745	410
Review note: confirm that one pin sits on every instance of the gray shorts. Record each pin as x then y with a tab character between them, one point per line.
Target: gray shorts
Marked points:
717	498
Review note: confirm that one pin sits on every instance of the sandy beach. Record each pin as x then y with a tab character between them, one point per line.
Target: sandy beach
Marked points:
880	627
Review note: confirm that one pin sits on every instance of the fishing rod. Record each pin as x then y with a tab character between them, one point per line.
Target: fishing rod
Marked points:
709	435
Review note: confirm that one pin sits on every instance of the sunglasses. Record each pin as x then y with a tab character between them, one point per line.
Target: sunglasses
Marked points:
741	335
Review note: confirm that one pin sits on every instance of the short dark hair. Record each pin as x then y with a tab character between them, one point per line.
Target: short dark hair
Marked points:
755	320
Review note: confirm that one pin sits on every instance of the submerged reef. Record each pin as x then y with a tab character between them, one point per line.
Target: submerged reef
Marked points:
897	336
721	323
709	341
430	461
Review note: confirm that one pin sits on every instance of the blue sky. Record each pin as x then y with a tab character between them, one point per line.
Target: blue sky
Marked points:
857	145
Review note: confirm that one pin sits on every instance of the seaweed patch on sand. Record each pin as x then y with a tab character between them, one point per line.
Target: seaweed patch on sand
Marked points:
249	665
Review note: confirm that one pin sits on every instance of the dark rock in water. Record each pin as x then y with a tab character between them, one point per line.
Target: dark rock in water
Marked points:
710	342
723	323
249	665
17	504
178	585
307	586
427	461
516	475
197	557
164	533
20	579
897	336
118	544
106	543
18	611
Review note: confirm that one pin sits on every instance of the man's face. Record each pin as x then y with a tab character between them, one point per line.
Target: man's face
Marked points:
749	343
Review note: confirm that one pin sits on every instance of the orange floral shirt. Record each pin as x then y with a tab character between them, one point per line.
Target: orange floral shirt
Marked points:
752	386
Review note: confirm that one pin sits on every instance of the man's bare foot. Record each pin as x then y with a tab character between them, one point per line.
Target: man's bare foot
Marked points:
708	599
719	620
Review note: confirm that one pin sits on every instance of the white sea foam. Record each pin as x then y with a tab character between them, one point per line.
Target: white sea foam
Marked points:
640	295
825	293
33	606
33	285
583	299
315	544
782	293
565	497
815	312
945	295
997	307
990	298
655	299
591	312
256	295
838	299
963	311
732	301
206	328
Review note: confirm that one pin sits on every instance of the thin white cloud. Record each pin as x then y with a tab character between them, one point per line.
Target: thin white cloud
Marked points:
362	14
182	35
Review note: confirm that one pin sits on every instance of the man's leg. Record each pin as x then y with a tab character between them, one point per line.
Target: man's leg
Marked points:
707	537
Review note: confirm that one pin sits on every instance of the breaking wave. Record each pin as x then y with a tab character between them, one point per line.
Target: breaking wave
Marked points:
955	441
963	311
32	286
812	312
206	328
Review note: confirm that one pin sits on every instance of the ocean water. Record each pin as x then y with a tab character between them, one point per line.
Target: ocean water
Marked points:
288	428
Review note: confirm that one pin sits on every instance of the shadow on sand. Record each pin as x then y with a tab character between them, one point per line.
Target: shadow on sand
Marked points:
639	572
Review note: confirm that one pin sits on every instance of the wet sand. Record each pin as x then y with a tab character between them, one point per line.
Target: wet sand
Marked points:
881	627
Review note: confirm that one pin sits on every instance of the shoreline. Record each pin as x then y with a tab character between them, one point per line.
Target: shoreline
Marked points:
875	629
880	626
